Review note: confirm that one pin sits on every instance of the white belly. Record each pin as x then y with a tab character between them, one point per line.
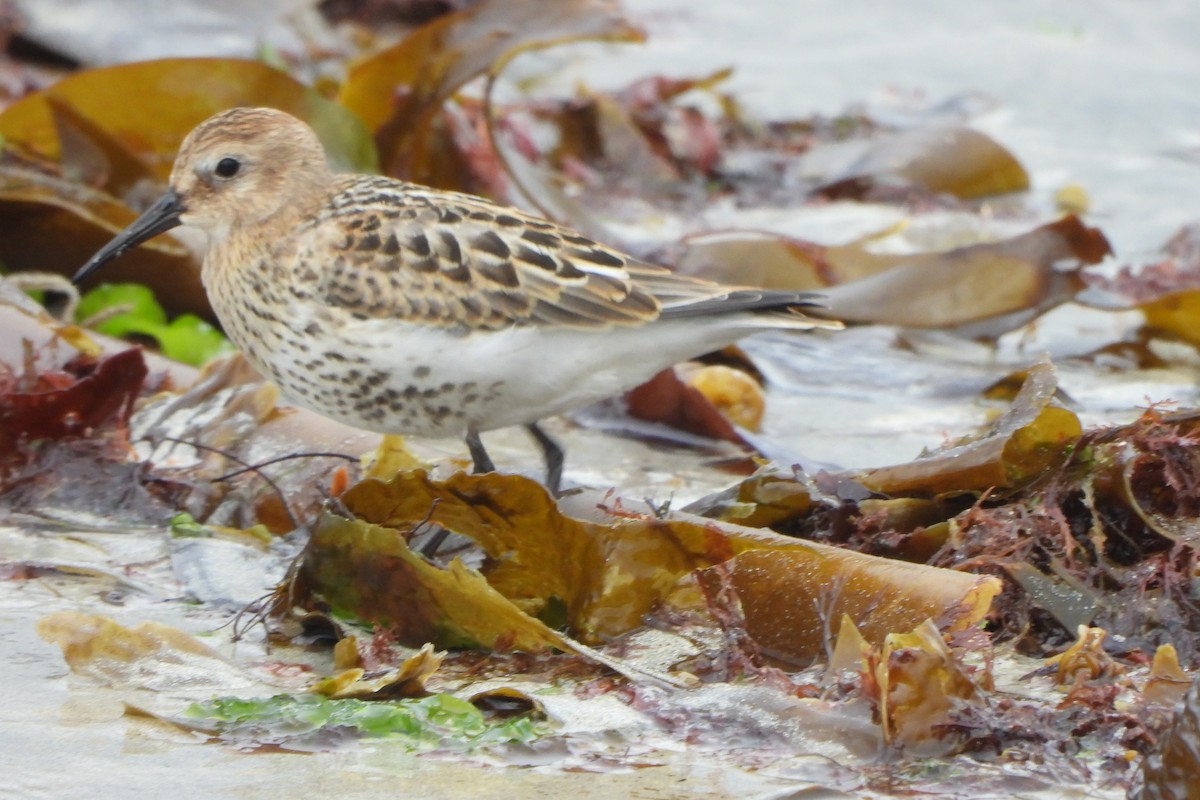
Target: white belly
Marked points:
390	377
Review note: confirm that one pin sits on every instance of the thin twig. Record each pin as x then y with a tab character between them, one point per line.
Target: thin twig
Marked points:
430	548
230	475
249	467
489	120
255	607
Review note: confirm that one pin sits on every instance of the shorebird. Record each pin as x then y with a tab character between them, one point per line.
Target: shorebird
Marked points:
398	308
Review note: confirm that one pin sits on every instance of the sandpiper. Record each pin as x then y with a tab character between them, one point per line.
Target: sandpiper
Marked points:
398	308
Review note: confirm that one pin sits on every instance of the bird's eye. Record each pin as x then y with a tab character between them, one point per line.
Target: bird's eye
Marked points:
227	167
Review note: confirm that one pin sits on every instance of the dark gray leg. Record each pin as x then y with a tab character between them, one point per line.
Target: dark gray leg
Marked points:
553	455
483	462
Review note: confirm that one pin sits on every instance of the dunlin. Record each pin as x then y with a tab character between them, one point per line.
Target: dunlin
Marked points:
398	308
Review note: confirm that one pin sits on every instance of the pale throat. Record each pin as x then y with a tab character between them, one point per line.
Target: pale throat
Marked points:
228	253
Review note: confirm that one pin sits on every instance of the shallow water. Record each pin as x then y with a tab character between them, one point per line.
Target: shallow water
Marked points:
1102	94
1096	93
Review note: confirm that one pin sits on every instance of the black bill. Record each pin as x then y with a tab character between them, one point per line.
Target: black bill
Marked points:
160	217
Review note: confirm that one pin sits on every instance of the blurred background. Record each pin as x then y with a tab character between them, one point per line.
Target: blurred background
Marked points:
971	188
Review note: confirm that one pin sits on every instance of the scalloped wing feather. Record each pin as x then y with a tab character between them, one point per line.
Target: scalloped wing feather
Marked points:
454	260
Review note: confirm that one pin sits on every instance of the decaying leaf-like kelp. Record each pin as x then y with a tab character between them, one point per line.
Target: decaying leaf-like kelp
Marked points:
599	580
1076	545
1085	528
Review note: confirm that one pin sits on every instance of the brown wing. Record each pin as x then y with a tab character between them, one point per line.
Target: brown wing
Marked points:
449	259
382	248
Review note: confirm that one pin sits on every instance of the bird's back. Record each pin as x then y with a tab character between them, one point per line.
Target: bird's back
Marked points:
384	248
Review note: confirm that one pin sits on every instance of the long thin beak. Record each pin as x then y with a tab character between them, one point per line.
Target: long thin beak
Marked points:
160	217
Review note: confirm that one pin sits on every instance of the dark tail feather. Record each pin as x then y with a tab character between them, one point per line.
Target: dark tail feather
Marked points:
738	300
